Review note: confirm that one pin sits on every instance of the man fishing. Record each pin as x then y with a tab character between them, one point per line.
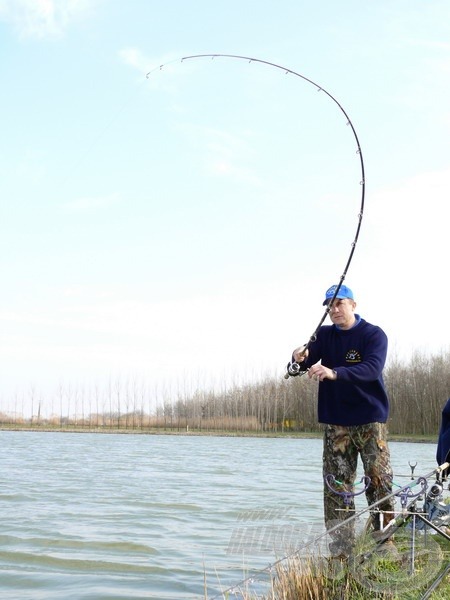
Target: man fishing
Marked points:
347	359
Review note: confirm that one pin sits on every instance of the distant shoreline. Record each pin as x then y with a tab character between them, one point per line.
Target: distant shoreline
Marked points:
411	439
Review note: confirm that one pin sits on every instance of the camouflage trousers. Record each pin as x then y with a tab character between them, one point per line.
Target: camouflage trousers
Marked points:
341	448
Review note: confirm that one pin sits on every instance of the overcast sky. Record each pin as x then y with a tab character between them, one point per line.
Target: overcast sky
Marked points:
180	225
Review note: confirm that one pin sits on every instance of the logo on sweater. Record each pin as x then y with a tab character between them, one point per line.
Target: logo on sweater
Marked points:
353	356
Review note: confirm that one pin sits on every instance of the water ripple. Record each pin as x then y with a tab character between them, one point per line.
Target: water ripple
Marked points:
96	517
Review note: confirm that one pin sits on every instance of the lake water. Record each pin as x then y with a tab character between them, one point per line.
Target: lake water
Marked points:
109	516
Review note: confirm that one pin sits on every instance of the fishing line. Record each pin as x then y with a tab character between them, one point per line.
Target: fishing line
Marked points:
293	368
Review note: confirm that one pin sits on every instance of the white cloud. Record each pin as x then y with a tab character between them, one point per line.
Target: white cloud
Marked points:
100	331
227	155
135	58
151	66
399	270
42	18
224	154
91	203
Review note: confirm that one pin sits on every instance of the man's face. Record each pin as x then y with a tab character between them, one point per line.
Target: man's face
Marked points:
342	313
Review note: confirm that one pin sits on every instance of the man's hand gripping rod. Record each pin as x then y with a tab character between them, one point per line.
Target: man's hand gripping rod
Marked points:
293	369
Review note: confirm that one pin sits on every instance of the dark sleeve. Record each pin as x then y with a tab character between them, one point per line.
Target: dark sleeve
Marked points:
443	448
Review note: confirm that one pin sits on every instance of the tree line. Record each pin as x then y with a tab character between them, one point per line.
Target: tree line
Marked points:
418	390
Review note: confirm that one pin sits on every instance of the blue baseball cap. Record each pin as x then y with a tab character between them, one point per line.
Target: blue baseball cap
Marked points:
344	292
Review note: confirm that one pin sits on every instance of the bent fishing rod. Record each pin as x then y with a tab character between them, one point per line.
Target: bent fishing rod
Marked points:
293	368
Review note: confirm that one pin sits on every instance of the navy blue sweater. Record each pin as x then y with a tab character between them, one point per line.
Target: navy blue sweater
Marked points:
358	355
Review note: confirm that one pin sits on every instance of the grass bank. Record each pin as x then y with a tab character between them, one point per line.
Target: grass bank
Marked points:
409	438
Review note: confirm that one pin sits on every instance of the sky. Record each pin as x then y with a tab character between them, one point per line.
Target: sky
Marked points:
176	223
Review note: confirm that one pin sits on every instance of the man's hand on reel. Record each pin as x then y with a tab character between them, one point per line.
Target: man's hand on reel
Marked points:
298	356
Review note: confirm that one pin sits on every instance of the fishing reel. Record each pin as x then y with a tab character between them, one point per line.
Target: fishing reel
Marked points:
435	492
435	509
293	369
